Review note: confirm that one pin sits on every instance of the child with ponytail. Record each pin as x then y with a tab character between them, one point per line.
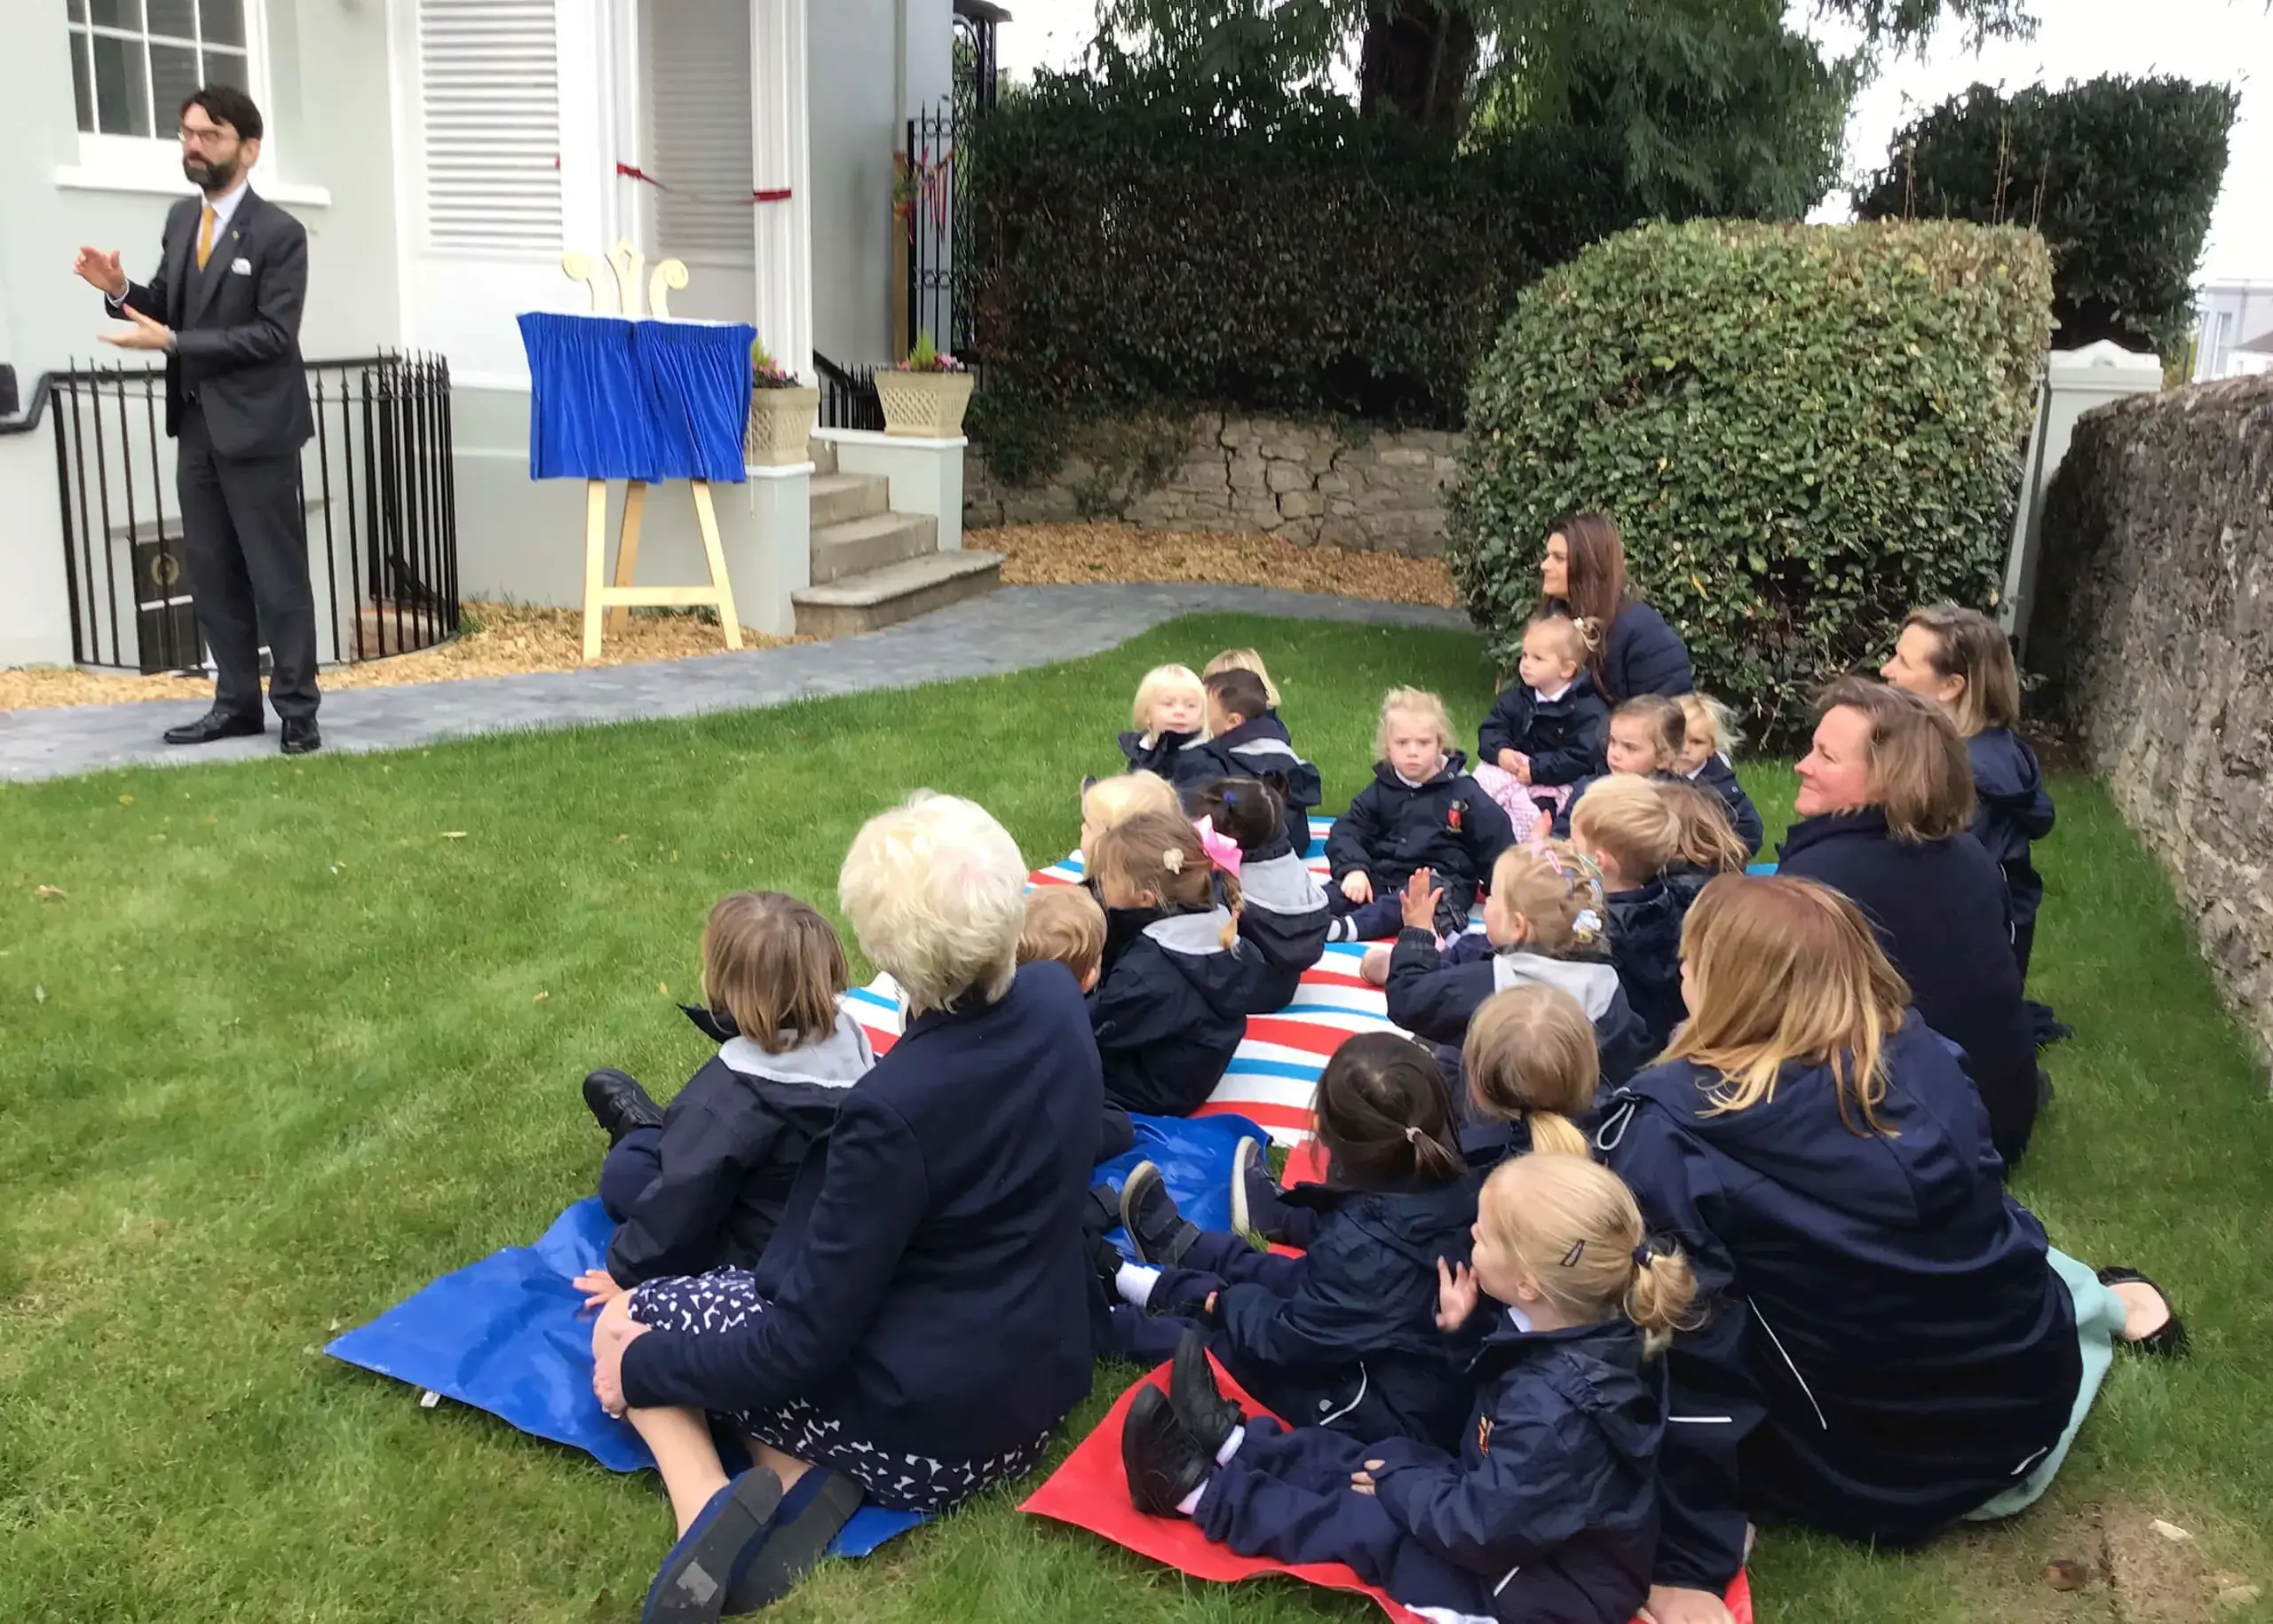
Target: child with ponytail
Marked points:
1176	984
1283	915
1547	1506
1532	1074
1345	1336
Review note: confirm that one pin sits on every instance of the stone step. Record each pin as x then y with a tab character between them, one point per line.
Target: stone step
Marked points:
823	454
860	544
837	497
898	592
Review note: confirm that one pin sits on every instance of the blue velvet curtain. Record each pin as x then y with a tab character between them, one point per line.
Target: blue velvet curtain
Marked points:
618	398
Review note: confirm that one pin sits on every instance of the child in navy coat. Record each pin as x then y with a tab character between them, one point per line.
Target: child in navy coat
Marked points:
1547	732
1422	810
703	1184
1707	844
1247	739
1961	661
1712	737
1283	913
1627	827
1177	984
1546	921
1547	1510
1345	1336
1167	724
1647	736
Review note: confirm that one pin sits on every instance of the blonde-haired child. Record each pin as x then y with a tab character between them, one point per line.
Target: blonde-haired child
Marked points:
1108	801
1245	660
1533	1073
1712	738
1545	921
1708	844
1962	661
1422	812
1627	826
703	1184
1545	733
1176	988
1169	718
1548	1509
1065	925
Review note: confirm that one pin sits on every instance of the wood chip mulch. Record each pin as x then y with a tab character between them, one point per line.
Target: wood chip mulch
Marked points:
1074	554
504	640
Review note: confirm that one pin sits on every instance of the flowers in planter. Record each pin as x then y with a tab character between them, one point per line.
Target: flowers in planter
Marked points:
765	371
927	357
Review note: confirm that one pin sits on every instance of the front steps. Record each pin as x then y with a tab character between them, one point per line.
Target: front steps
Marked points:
873	568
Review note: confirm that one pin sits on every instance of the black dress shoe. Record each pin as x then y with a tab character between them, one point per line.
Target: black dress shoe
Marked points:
1160	1234
1200	1405
618	1104
216	724
1163	1461
302	738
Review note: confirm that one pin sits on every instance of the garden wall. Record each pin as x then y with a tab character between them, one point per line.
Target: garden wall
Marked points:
2154	622
1348	486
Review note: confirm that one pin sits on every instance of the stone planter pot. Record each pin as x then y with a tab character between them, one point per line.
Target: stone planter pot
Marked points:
781	425
923	405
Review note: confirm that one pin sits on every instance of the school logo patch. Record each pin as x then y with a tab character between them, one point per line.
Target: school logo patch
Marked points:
1453	817
1484	1435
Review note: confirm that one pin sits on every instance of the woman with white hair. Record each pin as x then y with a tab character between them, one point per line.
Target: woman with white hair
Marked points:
918	1328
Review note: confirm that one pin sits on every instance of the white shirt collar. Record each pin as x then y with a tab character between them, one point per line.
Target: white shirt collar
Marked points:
226	205
1545	698
1415	783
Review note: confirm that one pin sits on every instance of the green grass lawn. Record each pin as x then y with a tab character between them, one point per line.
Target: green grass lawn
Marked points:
295	1040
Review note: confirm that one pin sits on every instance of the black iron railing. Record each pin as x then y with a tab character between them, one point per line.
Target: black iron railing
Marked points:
932	209
848	396
376	486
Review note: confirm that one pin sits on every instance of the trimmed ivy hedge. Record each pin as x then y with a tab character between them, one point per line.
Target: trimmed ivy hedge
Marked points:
2120	175
1803	432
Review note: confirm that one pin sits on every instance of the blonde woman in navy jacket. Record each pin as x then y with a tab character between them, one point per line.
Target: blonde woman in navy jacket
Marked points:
919	1327
1889	1344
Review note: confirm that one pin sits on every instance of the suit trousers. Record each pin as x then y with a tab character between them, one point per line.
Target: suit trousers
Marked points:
246	540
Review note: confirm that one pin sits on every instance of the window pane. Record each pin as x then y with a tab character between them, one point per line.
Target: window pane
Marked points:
78	11
224	22
118	14
174	18
121	93
173	77
227	67
82	82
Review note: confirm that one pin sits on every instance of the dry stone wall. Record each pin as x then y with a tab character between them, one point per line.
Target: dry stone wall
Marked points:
2154	622
1347	486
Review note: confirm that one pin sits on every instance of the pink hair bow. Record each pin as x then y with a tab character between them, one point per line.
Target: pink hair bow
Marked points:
1222	850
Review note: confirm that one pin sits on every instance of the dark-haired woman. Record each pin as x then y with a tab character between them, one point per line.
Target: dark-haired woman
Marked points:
1584	575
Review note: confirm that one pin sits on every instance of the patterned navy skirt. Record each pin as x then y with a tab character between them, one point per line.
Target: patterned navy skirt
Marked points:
706	1304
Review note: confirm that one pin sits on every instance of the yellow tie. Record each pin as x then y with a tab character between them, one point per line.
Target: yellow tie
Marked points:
205	237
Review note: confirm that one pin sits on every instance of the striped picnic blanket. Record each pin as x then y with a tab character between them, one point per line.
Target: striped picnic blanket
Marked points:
1271	1077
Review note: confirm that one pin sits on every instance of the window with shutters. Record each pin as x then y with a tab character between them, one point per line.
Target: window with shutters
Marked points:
698	79
489	129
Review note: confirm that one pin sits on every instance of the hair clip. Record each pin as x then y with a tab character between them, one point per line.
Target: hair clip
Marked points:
1586	925
1570	1259
1222	850
1642	1256
1172	859
1231	799
1411	1134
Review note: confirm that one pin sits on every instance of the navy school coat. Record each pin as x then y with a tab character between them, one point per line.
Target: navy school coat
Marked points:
1552	1494
1645	950
2013	810
1447	825
928	1285
1181	758
1170	1006
1284	918
732	1143
1436	1001
1941	911
1887	1346
1563	736
1717	775
1261	749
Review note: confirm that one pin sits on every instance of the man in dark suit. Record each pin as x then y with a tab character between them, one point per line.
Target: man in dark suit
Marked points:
224	307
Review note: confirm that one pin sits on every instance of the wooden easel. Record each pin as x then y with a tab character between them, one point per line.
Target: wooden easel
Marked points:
612	602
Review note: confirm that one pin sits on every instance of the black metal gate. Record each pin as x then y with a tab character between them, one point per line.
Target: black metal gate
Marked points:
375	486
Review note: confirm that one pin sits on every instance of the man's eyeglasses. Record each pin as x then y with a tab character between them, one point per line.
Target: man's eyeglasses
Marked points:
212	135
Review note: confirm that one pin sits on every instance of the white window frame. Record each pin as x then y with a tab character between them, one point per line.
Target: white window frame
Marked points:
152	165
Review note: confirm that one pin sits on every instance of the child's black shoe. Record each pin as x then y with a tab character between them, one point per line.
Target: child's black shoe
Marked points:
1258	1205
1148	1212
1163	1461
618	1104
1107	1259
1200	1405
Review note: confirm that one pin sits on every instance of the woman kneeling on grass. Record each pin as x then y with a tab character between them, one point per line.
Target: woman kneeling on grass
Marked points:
919	1327
1890	1345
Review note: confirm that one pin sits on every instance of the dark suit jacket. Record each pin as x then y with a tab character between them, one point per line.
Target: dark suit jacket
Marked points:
236	333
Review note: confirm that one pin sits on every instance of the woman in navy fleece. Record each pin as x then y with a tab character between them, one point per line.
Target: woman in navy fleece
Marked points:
919	1327
1583	576
1890	1345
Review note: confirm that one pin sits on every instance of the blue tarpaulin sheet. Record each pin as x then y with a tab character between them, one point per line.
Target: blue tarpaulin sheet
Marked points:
611	398
509	1335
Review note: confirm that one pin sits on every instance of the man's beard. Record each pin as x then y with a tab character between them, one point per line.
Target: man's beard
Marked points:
207	176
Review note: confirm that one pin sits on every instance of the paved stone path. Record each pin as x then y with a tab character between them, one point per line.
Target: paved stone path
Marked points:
1007	630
